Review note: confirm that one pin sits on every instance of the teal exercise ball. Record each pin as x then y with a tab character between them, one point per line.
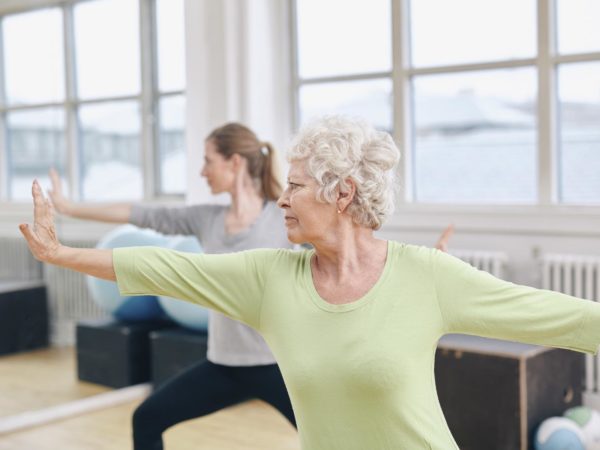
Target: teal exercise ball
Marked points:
186	314
559	433
106	293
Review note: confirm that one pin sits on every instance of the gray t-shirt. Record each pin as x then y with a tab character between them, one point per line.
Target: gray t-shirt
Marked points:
230	342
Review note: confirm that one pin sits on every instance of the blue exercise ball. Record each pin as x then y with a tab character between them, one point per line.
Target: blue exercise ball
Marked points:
559	433
106	293
188	315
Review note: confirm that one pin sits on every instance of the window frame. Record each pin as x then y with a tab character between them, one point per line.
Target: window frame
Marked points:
148	98
545	63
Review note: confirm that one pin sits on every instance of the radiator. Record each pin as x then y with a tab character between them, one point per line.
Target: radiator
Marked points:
68	298
489	261
16	261
577	275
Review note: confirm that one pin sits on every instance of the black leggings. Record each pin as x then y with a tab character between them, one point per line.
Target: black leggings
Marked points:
203	389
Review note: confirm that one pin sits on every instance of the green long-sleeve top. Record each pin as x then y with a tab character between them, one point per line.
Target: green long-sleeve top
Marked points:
360	375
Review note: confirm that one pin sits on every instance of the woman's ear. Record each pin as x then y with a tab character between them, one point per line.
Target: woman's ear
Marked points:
346	193
238	162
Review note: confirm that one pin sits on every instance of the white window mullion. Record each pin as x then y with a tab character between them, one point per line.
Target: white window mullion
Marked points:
3	140
295	113
472	67
547	148
148	138
71	124
401	96
343	78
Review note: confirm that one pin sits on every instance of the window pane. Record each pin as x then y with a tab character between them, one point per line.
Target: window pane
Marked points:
340	37
36	142
475	138
107	47
579	97
578	29
34	62
171	45
172	145
110	141
468	31
371	99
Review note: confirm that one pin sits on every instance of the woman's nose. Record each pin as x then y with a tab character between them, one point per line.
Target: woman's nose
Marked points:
282	201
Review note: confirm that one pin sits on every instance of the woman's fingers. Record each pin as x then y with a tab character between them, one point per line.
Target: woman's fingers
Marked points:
56	183
40	206
32	240
41	238
442	243
448	233
50	210
56	194
26	231
54	179
42	213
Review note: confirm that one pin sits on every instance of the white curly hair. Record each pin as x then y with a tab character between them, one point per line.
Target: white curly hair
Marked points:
336	148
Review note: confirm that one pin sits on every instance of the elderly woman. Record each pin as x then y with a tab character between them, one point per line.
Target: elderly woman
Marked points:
355	321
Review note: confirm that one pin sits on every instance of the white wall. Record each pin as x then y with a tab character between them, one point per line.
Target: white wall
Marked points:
237	70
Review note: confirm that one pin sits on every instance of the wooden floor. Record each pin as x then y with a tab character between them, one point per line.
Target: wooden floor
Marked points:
40	379
47	378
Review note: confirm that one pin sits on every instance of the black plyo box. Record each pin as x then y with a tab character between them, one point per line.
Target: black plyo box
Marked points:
494	394
174	350
113	353
23	316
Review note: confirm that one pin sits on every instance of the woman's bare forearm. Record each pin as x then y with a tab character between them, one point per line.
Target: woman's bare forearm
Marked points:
91	261
113	213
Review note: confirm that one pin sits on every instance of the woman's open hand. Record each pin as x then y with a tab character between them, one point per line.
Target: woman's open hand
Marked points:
41	237
60	202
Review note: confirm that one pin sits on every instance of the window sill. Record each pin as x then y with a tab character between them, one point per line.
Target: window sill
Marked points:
555	220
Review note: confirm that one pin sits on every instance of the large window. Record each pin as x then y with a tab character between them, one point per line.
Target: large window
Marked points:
494	102
474	136
578	37
98	93
342	67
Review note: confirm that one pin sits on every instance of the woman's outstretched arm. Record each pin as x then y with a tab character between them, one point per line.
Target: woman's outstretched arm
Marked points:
43	243
114	213
232	284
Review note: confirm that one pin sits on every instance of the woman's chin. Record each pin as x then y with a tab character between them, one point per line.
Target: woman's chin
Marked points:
294	238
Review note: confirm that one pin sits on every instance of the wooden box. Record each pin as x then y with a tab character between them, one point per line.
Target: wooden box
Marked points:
115	354
23	316
494	394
